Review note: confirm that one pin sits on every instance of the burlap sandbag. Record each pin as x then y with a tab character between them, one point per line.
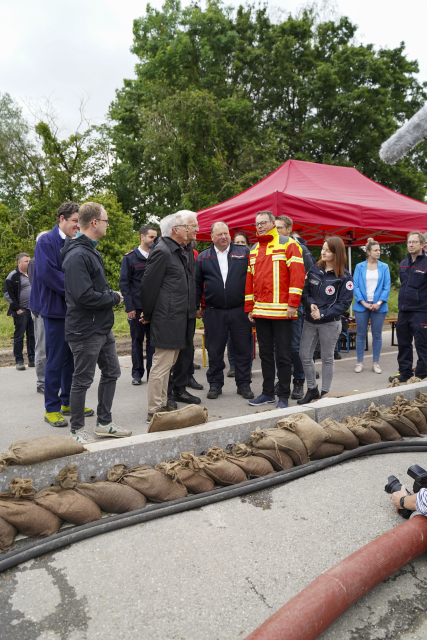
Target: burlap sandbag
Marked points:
411	412
365	435
188	471
189	416
109	496
307	430
403	425
68	505
373	418
7	535
283	440
222	472
421	402
339	434
253	466
326	450
279	460
28	517
153	484
413	380
39	449
394	383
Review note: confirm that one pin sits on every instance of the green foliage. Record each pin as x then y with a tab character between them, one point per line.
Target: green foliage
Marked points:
221	98
14	239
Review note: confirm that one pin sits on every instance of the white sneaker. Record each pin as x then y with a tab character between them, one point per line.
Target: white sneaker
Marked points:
111	429
358	368
376	368
81	436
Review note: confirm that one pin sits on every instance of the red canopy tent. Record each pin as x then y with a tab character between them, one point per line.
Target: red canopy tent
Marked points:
322	200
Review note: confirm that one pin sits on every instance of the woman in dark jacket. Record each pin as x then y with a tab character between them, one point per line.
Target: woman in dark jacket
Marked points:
328	292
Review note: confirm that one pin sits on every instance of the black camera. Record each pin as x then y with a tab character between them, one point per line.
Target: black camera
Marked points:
420	482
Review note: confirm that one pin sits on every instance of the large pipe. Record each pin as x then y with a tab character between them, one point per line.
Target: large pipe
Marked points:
312	610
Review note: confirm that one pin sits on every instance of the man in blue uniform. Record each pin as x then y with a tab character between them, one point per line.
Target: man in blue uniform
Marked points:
131	272
412	302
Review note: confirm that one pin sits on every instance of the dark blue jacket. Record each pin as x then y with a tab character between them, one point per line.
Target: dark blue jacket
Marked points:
47	288
332	294
131	272
209	279
413	279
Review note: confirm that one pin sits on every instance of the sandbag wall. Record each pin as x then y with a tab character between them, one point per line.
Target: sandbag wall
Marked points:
296	440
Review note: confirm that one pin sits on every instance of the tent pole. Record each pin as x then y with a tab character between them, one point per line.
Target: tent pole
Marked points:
349	268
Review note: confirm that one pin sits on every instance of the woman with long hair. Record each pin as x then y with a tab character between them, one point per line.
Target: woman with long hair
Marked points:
371	292
328	292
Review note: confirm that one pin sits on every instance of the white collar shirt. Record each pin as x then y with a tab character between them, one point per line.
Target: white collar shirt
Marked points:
223	262
143	253
61	234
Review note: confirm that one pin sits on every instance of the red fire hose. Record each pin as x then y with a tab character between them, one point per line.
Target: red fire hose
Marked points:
312	610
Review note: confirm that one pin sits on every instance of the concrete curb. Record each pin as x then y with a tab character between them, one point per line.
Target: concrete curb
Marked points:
152	448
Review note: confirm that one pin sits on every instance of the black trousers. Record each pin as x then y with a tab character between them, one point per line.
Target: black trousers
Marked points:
183	367
218	322
412	326
137	332
23	324
273	334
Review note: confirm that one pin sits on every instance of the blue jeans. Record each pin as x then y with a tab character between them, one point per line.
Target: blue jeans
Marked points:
377	321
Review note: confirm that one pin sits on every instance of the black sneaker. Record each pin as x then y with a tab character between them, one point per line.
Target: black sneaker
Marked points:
136	381
171	403
196	366
231	373
20	366
276	389
312	394
399	378
317	375
298	390
31	363
337	355
181	394
245	392
193	384
214	392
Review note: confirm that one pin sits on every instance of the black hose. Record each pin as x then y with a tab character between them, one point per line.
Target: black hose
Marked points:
152	512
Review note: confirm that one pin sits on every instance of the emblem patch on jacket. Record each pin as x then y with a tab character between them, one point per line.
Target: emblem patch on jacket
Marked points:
349	286
330	290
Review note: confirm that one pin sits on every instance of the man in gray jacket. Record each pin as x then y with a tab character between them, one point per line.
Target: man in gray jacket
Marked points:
90	317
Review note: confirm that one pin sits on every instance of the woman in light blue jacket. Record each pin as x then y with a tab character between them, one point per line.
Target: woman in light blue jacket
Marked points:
371	291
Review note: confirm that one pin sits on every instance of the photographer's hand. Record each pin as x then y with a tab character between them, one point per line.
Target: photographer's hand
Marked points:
410	501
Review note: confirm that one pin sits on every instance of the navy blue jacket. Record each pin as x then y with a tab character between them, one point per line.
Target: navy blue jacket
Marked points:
47	288
332	294
413	279
131	272
209	279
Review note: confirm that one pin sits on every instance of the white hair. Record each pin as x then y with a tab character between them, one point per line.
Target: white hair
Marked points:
185	215
169	222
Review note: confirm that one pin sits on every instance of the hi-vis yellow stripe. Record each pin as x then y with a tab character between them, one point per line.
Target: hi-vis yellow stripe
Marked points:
294	259
295	290
249	297
276	282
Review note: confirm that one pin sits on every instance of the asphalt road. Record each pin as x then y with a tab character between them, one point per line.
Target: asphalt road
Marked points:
217	572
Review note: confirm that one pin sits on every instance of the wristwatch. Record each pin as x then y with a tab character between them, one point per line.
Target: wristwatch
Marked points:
401	502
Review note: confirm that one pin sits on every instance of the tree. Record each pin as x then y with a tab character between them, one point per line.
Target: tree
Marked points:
223	97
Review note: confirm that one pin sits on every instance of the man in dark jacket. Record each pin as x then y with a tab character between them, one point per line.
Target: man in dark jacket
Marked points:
131	272
412	302
183	370
48	299
165	303
17	288
221	276
90	301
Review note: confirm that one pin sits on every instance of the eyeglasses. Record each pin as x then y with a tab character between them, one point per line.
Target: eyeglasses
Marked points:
195	226
262	224
181	225
103	220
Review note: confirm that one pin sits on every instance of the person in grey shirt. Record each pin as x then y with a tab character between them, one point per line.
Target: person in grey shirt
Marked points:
17	289
39	332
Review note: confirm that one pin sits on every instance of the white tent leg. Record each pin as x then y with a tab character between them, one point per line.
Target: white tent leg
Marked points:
349	268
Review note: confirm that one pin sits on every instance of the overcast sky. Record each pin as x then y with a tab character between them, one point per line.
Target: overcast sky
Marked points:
69	49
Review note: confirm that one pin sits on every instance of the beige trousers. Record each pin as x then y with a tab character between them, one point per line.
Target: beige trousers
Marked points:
157	391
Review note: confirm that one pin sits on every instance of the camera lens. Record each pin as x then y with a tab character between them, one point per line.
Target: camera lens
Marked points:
392	485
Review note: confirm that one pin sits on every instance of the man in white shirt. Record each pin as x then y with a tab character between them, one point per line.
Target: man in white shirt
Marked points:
131	272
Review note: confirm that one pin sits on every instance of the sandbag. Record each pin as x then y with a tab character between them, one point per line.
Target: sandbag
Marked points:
189	416
253	466
401	423
394	383
68	505
421	402
154	485
326	450
188	471
222	472
365	435
39	449
279	460
282	439
28	517
339	434
413	380
411	411
307	430
372	418
7	535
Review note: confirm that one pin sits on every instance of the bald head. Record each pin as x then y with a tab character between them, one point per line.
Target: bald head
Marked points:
220	236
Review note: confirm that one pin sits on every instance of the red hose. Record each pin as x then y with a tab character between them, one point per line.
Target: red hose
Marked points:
312	610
